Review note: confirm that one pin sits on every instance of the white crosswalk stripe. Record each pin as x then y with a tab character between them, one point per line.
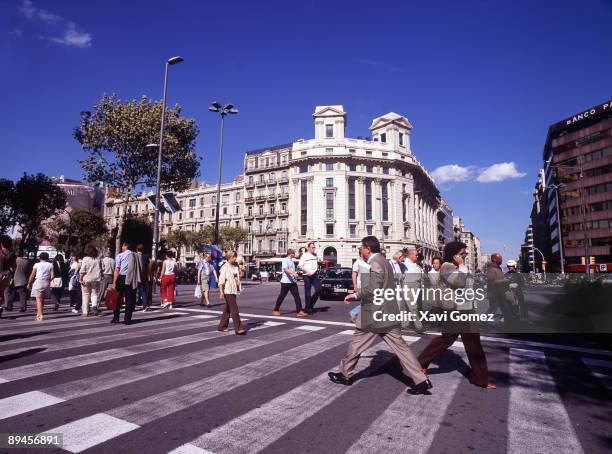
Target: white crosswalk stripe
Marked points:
78	388
536	409
264	425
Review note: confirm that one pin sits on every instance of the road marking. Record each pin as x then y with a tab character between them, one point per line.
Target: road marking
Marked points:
84	433
347	331
23	403
546	345
188	448
163	404
264	425
59	364
310	328
411	339
88	331
83	387
274	317
535	408
410	423
70	344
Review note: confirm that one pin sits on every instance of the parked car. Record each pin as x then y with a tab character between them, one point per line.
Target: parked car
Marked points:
336	282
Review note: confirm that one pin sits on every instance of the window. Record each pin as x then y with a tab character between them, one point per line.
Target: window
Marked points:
250	211
369	152
201	213
191	215
368	199
385	170
401	139
284	224
304	207
261	210
304	168
329	131
225	198
237	209
329	166
192	203
271	208
249	226
259	245
118	212
224	210
329	229
214	200
385	200
353	167
369	168
272	177
386	231
201	201
352	150
283	207
353	229
212	212
237	196
260	227
251	179
272	245
351	198
284	159
180	216
369	230
284	175
383	137
237	224
261	178
250	194
329	205
329	182
329	151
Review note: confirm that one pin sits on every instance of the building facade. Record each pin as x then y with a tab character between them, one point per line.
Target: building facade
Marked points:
340	189
578	179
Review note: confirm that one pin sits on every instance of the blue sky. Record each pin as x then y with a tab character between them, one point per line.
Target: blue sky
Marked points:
480	81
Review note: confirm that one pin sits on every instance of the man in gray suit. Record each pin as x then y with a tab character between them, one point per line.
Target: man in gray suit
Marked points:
379	279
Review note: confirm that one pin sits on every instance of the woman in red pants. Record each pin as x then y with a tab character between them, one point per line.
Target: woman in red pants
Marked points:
168	280
453	274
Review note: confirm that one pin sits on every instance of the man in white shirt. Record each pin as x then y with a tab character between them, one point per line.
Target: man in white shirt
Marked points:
309	264
108	269
206	270
413	276
289	284
359	267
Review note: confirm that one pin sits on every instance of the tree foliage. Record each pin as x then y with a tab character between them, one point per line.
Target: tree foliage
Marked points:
35	199
7	220
136	230
80	228
116	134
231	237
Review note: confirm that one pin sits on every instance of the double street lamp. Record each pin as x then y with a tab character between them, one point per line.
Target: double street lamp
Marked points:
170	62
223	110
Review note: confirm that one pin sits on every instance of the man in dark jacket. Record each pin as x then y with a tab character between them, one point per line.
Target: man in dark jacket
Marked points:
379	279
497	284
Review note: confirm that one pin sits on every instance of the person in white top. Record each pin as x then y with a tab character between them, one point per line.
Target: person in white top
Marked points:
91	274
309	264
359	268
108	268
40	282
205	271
413	279
168	280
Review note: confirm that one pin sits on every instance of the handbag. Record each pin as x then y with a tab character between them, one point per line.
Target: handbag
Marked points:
56	282
198	292
112	299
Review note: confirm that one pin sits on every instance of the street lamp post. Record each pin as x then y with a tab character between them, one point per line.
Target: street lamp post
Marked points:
556	188
170	62
223	111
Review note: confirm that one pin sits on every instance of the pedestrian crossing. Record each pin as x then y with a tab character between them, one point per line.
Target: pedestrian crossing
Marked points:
112	388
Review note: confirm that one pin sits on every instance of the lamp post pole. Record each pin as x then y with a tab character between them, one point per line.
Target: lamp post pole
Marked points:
223	111
169	62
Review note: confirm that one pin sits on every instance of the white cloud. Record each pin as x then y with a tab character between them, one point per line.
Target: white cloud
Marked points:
69	34
499	172
452	173
73	37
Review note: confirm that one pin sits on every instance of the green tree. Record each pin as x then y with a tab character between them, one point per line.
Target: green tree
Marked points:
136	230
35	199
80	228
116	134
231	237
178	239
7	218
205	236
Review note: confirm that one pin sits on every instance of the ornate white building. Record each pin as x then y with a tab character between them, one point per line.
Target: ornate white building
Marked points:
338	190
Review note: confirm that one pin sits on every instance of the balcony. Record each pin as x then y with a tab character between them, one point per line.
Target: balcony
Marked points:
283	213
272	182
271	196
249	199
283	196
283	180
260	197
248	216
261	215
259	184
264	253
249	185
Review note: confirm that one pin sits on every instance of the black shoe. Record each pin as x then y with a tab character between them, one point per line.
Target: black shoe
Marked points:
127	322
421	388
339	378
115	320
22	310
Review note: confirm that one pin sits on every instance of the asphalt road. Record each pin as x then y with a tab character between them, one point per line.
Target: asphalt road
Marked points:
171	383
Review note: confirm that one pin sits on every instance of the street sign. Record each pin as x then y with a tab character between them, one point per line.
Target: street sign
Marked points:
603	267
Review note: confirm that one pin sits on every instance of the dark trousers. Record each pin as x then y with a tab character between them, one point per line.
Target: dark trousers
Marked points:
143	294
9	297
231	307
286	288
473	348
309	283
127	294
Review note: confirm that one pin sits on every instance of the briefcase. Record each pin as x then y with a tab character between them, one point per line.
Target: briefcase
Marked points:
112	299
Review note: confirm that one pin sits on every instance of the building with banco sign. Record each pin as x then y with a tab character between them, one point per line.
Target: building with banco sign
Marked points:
331	189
